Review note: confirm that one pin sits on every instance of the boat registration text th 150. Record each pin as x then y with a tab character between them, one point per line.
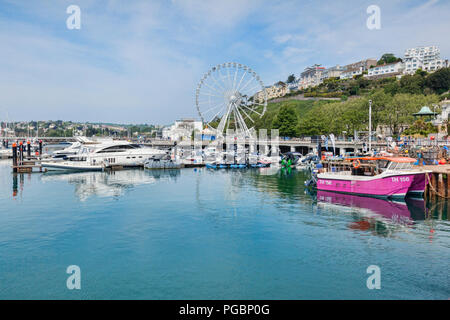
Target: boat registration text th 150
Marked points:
400	179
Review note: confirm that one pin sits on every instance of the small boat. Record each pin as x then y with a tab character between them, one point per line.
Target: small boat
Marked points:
191	159
162	164
384	177
238	166
290	159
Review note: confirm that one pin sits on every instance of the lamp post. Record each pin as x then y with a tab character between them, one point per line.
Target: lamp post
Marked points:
434	111
370	125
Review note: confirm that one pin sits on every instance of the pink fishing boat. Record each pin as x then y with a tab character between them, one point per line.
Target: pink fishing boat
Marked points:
384	177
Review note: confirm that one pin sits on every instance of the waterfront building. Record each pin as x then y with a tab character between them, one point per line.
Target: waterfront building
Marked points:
425	58
311	76
278	90
363	64
386	70
332	72
182	129
208	135
351	72
357	68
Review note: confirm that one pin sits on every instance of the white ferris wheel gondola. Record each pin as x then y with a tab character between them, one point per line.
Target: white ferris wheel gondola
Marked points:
231	96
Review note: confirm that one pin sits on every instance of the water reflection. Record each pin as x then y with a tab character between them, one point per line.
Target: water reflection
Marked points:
278	182
18	183
109	183
392	211
383	217
368	213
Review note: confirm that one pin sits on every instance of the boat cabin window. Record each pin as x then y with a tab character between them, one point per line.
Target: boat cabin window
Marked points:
383	164
400	166
119	148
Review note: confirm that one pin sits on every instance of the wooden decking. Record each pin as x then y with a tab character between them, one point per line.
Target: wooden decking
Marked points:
443	168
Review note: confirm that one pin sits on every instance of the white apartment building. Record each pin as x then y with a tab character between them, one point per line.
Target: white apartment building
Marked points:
311	77
357	68
332	72
386	70
425	58
278	90
182	129
350	73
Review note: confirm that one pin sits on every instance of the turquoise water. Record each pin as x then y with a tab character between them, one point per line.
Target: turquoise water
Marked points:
201	234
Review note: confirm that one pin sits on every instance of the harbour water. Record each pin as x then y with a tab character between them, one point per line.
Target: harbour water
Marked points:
213	234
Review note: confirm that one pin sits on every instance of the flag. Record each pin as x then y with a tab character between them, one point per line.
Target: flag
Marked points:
332	138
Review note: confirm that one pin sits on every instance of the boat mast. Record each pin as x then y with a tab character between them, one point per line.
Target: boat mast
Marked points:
370	125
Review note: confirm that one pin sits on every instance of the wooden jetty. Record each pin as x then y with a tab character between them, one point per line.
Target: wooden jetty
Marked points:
439	181
23	160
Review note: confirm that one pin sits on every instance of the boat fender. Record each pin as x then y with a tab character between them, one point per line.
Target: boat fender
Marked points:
356	163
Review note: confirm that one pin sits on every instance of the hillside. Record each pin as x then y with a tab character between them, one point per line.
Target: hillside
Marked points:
394	102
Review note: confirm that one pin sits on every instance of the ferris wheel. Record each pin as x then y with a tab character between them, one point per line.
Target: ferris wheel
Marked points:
231	96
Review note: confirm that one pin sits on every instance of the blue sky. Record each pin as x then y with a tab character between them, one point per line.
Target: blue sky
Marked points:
140	61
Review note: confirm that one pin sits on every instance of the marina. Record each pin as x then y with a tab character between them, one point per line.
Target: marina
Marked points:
99	155
161	239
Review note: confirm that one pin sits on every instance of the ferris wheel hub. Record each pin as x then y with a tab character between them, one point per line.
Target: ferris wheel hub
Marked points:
235	98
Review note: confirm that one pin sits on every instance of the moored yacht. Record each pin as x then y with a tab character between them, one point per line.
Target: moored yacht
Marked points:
107	154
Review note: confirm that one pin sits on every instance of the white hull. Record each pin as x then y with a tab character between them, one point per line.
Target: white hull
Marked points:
126	158
71	165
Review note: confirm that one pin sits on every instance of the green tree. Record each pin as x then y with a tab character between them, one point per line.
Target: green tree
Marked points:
421	72
290	79
439	81
413	84
420	127
286	121
354	91
355	115
399	110
392	88
388	58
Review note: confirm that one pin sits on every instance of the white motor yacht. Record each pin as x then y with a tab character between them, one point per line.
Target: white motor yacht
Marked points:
106	154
